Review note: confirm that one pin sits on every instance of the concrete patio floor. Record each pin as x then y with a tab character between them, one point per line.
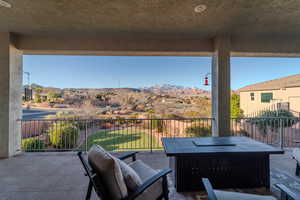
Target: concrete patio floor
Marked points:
39	176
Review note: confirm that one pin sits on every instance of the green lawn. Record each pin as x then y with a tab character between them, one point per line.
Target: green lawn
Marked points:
124	140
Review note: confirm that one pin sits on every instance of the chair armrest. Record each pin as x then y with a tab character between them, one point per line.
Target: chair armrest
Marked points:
286	192
148	183
209	189
128	155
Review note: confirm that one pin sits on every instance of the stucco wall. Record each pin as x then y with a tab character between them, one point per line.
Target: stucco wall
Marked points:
10	97
291	95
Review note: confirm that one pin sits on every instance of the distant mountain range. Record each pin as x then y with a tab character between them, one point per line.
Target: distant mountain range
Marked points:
157	89
177	90
165	87
34	86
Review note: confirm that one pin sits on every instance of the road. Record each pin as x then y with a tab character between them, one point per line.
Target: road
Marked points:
35	114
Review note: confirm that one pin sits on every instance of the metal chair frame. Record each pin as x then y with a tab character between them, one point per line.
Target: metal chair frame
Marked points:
285	193
95	181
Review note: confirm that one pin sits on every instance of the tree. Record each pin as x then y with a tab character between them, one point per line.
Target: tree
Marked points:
52	96
151	111
236	111
37	96
38	90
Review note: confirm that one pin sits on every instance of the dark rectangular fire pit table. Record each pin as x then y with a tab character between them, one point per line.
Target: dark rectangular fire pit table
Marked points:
228	162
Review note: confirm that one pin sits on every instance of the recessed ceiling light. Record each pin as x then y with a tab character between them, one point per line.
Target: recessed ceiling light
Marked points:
5	4
200	8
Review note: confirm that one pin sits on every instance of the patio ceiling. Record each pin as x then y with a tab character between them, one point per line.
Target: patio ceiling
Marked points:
134	25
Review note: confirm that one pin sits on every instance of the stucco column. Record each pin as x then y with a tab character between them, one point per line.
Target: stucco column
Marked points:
221	87
10	96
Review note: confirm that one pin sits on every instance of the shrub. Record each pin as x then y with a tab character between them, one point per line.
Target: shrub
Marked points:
32	145
106	125
38	100
191	114
120	120
241	133
198	131
75	120
272	120
63	135
158	125
154	124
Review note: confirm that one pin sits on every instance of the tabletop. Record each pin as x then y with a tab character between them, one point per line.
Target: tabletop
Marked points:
216	145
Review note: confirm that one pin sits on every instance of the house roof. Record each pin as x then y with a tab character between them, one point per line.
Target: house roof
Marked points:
284	82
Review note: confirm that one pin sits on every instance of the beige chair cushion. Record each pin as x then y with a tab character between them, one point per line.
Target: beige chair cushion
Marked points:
108	170
223	195
145	172
131	178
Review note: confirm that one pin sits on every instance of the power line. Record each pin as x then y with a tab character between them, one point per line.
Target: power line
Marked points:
28	78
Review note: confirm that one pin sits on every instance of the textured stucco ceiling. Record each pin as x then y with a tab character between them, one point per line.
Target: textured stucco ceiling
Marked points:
151	18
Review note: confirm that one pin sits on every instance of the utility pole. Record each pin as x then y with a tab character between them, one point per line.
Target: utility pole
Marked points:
28	78
28	88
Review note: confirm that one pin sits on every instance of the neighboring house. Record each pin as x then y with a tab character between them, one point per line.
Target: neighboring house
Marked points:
267	94
27	94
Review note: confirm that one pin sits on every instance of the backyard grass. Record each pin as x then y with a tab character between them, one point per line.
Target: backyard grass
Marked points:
124	140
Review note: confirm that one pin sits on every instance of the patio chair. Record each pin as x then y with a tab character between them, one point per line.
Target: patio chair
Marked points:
286	194
153	185
296	156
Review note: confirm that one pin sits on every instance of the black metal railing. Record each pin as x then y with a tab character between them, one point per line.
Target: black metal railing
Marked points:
146	134
276	131
112	134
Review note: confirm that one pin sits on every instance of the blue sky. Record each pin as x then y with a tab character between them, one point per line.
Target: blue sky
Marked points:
112	71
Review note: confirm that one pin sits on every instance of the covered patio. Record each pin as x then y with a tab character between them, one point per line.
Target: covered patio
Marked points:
61	176
217	28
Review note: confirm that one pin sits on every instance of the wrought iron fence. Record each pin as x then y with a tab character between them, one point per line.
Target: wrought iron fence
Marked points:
146	134
112	134
276	131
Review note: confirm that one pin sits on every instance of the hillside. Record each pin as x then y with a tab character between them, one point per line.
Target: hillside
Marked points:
176	90
160	99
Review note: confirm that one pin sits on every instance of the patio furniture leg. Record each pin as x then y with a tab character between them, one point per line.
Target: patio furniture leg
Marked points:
165	188
297	169
89	191
267	175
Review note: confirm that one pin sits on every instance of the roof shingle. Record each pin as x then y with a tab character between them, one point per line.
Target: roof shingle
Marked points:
284	82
